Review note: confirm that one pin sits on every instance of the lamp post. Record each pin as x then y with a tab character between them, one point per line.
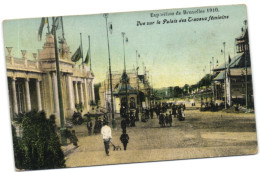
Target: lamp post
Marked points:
111	90
126	80
225	92
137	80
62	121
246	49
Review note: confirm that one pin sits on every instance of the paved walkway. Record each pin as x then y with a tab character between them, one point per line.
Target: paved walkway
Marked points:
202	134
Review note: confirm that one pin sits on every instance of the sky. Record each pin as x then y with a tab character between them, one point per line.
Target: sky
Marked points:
174	54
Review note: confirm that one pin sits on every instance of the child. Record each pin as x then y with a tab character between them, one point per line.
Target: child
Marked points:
124	139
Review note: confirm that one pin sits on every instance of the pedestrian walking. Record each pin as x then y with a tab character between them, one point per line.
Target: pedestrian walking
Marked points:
89	126
170	119
166	119
96	126
162	120
174	111
105	118
106	136
124	139
151	113
181	114
123	124
132	121
137	114
73	138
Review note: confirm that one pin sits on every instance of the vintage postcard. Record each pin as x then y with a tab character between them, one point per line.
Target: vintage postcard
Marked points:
130	87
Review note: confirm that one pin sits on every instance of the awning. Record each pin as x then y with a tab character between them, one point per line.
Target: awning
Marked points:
220	76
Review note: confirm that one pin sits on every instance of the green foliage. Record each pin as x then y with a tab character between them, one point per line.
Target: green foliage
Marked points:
18	151
18	118
40	146
177	91
205	81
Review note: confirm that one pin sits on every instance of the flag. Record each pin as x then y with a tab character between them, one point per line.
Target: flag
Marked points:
110	28
87	58
126	40
43	22
229	59
77	55
139	55
221	51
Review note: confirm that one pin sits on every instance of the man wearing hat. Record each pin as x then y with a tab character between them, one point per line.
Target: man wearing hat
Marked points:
107	136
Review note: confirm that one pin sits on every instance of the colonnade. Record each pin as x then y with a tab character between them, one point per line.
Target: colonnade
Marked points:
27	95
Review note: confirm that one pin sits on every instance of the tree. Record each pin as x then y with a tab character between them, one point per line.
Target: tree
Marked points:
185	88
205	81
177	91
40	146
18	151
170	90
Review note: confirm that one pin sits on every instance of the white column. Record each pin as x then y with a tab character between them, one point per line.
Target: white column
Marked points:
81	93
89	90
86	94
28	99
15	106
70	93
93	91
39	100
76	92
55	94
228	89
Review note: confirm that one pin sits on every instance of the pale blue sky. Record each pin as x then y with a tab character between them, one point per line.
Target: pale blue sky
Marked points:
174	54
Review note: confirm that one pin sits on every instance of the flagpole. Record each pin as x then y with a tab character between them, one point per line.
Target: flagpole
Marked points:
81	48
61	19
89	52
62	120
111	90
48	25
210	67
123	35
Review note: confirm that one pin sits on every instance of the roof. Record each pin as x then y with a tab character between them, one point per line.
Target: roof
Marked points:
237	62
141	78
220	76
124	78
121	90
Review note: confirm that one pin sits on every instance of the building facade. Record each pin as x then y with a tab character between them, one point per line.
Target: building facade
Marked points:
32	84
137	89
232	83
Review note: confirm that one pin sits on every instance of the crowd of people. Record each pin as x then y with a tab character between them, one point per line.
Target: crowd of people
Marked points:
165	112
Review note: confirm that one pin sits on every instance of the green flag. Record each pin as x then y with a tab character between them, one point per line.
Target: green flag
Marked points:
43	22
87	58
77	55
